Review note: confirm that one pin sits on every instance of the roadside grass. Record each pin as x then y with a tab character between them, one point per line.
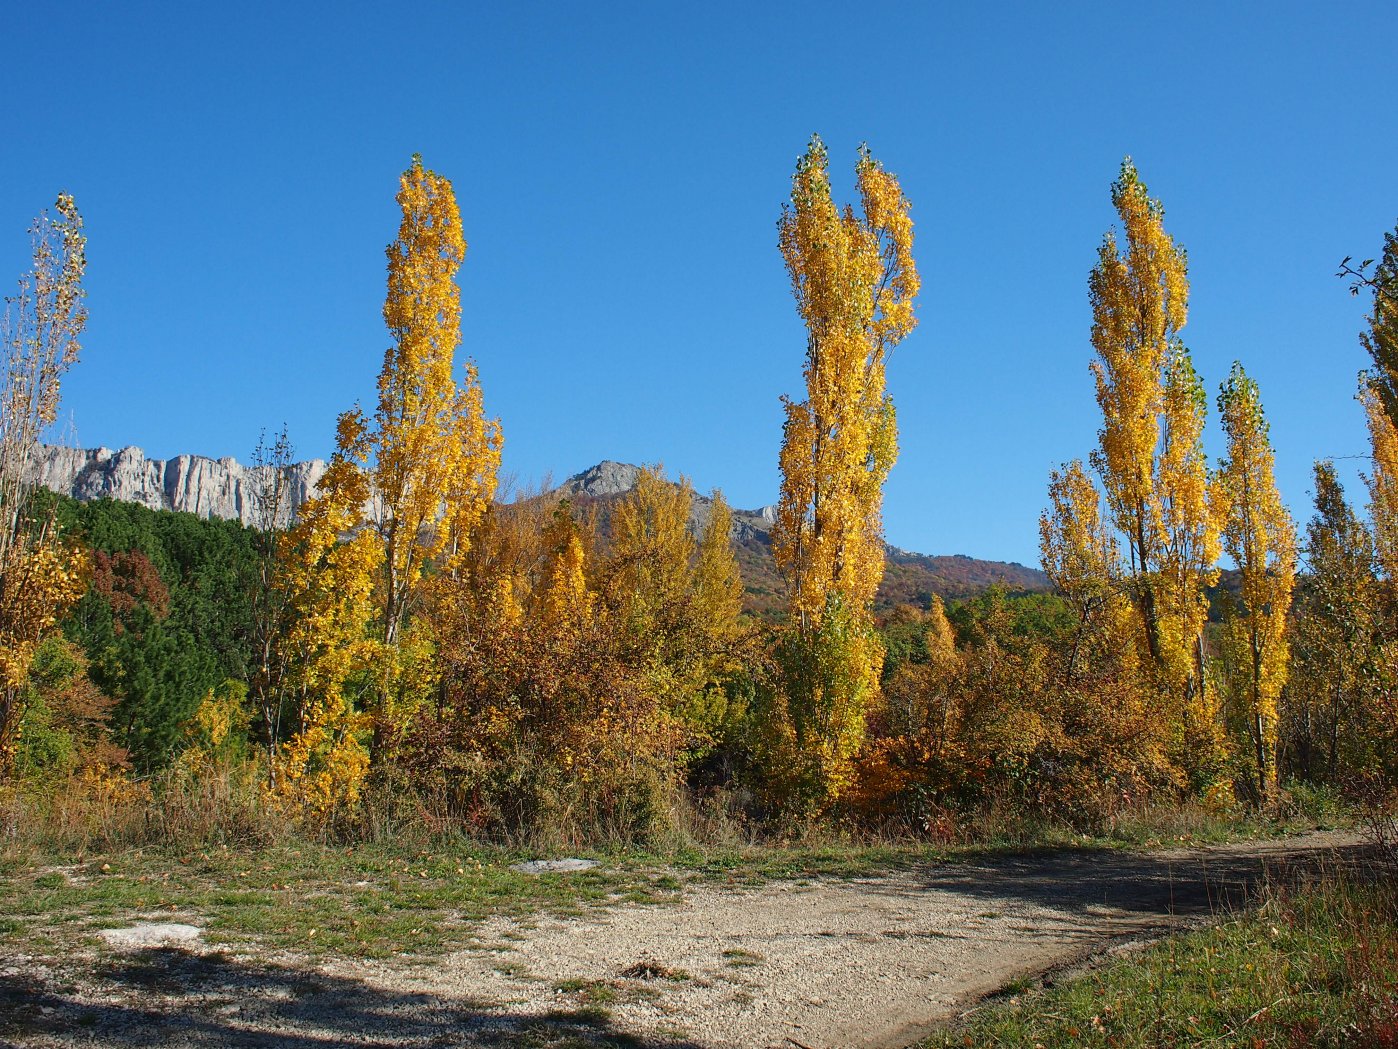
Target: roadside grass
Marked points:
420	895
1312	965
369	901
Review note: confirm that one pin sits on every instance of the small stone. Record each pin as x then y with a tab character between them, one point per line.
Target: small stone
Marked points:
553	866
151	934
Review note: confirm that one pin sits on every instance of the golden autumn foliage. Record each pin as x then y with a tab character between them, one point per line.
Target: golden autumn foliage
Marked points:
41	575
1259	536
1082	559
675	596
854	281
327	572
583	655
1150	449
424	465
544	713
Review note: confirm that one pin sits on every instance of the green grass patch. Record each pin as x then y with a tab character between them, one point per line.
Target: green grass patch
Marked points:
371	900
1312	966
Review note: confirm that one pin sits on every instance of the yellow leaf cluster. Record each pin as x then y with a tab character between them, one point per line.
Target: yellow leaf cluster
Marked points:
1150	453
327	573
40	579
365	593
854	281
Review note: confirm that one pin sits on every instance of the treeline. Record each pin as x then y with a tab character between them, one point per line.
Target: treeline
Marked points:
539	666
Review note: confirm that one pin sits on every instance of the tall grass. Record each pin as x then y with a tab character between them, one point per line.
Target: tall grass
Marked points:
1311	964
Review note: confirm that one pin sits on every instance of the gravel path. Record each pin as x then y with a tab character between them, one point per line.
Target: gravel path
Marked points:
872	962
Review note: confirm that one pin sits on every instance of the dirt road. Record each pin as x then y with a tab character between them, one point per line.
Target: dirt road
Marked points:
873	962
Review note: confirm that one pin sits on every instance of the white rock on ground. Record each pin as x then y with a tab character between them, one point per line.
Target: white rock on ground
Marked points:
151	935
553	866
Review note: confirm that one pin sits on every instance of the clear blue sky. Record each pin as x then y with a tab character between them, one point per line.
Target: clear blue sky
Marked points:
620	169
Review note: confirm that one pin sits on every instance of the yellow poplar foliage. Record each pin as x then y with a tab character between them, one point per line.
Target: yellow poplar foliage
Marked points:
327	572
428	461
940	639
1078	552
1150	453
434	454
717	601
1383	477
549	707
1188	543
652	549
40	579
216	730
1261	539
854	281
568	600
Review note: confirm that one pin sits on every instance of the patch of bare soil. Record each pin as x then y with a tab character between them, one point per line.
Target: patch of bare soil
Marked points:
870	962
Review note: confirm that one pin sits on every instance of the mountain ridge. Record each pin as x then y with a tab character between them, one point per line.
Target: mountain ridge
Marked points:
226	488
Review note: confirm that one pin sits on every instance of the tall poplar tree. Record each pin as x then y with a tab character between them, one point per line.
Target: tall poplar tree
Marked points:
854	281
1150	452
1259	536
426	460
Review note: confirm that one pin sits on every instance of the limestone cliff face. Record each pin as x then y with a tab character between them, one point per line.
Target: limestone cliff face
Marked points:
207	487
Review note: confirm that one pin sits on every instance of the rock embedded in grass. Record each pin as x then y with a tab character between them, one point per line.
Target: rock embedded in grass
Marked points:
151	934
553	866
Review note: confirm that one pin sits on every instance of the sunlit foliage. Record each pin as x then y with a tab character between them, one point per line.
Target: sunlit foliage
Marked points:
854	281
1150	454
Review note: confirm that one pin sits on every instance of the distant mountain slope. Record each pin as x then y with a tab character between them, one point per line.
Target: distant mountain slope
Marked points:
224	488
910	578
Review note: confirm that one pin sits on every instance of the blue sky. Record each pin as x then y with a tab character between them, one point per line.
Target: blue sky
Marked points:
620	170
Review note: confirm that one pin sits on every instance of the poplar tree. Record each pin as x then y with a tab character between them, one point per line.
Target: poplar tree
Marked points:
1259	536
1081	557
854	281
1150	453
424	466
40	574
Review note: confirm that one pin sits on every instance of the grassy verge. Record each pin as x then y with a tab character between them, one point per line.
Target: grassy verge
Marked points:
368	901
419	894
1314	965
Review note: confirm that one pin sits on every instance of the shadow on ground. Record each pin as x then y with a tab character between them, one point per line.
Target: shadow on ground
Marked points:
173	997
1161	884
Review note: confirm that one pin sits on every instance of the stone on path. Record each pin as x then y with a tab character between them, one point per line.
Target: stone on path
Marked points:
157	934
552	866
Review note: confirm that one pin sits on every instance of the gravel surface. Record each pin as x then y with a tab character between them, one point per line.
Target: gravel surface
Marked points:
871	962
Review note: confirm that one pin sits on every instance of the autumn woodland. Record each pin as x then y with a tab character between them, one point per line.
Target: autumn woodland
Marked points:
411	646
